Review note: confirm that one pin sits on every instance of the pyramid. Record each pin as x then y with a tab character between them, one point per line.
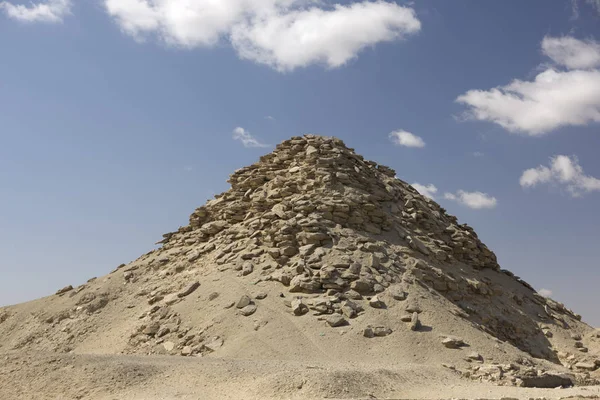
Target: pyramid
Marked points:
317	254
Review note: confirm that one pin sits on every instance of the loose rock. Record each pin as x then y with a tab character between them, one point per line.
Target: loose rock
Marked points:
169	346
381	331
376	302
244	301
298	307
336	320
64	290
189	290
453	342
260	295
588	366
248	310
415	324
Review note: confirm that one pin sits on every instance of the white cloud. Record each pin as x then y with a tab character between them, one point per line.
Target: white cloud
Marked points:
404	138
554	99
333	37
545	292
426	190
283	34
533	176
475	200
478	154
134	16
270	118
571	52
565	171
52	11
246	138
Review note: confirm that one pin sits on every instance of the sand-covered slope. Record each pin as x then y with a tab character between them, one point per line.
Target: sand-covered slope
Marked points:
317	255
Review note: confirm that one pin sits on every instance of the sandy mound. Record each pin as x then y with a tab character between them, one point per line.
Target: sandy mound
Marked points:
317	255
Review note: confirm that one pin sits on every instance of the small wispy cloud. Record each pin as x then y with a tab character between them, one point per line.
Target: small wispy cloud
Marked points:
563	170
572	53
594	4
474	200
426	190
545	292
270	118
407	139
246	138
574	10
51	11
188	168
478	154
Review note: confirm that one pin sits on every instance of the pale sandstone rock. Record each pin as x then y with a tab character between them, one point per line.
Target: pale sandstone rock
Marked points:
336	320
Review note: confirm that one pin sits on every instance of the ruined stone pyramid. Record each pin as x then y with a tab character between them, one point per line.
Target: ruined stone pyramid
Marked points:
315	253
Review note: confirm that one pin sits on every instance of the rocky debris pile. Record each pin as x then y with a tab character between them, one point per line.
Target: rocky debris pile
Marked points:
523	373
346	241
163	333
320	219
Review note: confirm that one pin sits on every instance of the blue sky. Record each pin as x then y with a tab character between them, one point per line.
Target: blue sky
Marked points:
119	117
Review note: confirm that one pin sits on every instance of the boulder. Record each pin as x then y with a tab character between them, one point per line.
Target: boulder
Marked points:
186	351
298	307
189	289
260	296
412	308
350	309
310	151
547	380
353	295
397	293
587	366
248	310
212	228
381	331
373	331
247	268
474	356
244	301
415	323
361	286
171	299
64	290
151	329
336	320
451	342
169	346
376	302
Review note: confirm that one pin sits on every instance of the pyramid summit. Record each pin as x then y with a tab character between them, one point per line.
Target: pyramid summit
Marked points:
317	255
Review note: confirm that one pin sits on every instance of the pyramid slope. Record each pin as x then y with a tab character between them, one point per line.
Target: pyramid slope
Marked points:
317	254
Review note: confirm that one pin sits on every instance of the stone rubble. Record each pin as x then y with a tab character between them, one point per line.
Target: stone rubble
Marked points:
344	235
344	240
